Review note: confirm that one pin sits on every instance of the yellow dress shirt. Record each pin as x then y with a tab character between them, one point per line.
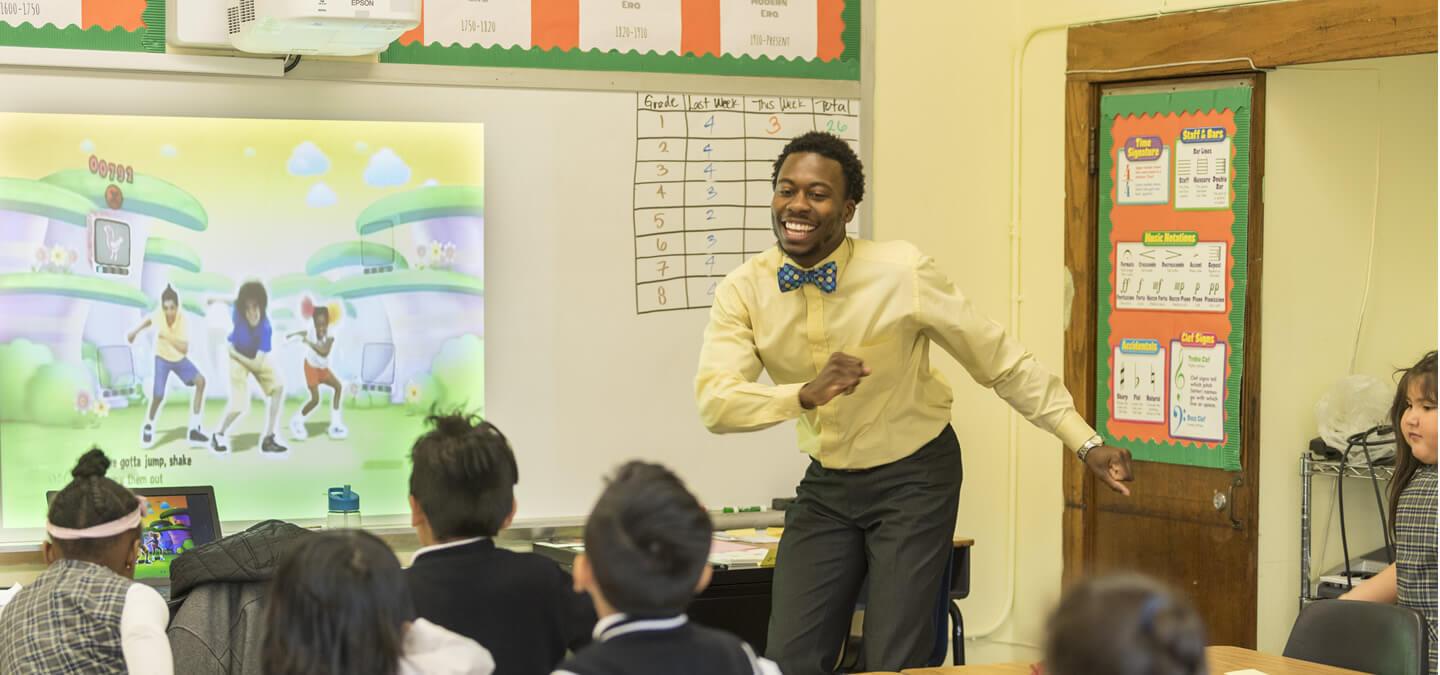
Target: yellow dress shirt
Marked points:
167	334
889	305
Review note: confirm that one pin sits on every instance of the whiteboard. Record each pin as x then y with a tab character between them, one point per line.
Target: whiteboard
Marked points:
576	379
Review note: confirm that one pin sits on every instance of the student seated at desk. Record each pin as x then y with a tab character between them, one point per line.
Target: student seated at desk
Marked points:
646	556
85	613
338	604
1124	624
518	605
1411	581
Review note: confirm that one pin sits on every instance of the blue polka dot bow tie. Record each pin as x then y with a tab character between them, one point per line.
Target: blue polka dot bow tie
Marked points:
792	277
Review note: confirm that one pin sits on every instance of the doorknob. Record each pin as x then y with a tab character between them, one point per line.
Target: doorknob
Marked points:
1221	500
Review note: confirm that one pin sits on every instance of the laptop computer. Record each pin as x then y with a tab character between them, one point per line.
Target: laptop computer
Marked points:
176	520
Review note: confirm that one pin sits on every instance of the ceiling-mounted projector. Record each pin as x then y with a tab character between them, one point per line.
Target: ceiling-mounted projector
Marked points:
318	27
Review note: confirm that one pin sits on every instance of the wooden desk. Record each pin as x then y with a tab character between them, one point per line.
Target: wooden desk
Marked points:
1220	660
1227	659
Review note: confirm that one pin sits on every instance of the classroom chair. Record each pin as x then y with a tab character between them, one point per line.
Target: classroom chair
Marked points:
1366	636
954	586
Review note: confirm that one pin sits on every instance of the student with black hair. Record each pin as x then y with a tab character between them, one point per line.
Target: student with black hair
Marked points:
1411	581
172	344
339	606
1124	624
647	547
519	605
249	342
845	328
84	613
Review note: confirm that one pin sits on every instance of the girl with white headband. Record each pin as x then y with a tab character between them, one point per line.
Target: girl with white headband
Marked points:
85	613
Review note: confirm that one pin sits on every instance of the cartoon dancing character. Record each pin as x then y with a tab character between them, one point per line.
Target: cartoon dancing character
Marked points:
172	343
250	357
320	340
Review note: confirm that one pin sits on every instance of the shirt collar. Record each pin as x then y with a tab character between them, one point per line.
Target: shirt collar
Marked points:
616	625
440	547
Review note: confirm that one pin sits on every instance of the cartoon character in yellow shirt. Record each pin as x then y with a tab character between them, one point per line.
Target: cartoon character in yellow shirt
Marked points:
172	343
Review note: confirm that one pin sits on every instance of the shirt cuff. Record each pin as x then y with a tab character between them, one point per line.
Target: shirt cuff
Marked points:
1073	431
787	401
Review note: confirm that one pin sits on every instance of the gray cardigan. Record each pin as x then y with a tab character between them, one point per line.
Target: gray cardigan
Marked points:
217	599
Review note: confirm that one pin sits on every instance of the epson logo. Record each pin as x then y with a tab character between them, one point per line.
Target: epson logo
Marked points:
362	3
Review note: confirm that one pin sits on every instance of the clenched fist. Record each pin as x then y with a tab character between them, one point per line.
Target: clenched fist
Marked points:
841	375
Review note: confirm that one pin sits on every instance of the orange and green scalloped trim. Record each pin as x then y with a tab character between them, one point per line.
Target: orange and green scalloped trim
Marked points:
106	25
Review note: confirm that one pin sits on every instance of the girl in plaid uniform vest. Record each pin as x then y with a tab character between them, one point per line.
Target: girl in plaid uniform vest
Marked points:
1411	581
85	614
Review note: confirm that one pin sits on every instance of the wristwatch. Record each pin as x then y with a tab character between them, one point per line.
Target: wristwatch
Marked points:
1094	442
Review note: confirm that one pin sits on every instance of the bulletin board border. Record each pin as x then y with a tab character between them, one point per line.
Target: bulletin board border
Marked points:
1237	99
149	39
846	67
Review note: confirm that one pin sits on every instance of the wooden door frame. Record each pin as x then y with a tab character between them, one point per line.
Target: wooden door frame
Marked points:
1225	41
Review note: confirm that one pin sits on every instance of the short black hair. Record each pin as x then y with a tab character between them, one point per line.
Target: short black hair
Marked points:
831	146
252	291
648	540
169	295
463	473
320	309
1124	624
89	500
338	604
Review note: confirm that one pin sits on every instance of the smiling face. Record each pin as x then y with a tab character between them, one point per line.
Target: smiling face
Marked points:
1417	423
252	313
321	317
810	207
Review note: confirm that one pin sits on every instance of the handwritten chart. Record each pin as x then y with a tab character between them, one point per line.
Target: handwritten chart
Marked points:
702	185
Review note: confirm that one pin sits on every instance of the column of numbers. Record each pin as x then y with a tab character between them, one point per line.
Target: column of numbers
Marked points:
659	212
714	193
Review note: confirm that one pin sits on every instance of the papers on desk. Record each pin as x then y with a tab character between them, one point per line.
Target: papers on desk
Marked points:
724	553
735	555
769	535
1247	671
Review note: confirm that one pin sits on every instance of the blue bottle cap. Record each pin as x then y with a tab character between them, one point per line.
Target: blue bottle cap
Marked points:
344	499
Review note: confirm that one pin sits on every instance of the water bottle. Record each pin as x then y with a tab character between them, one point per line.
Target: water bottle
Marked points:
344	509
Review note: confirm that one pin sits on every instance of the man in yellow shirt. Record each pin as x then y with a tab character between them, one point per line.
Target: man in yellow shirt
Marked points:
844	327
172	342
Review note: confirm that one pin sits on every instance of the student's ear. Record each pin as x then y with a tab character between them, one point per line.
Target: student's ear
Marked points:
48	550
705	575
514	506
417	516
583	575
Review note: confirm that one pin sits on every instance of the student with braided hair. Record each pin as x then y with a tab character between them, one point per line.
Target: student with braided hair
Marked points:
85	613
1124	624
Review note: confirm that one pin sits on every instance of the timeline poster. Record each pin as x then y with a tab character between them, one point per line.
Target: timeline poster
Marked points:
1174	217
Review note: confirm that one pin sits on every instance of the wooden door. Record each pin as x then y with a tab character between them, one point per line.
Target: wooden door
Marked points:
1192	527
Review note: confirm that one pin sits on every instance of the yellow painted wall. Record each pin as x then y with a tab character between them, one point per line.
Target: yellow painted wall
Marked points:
941	178
1330	130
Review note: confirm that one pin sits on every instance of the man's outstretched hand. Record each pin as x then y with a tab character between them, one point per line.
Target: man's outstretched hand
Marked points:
1112	466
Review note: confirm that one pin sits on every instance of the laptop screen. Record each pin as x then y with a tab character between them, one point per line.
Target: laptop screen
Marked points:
176	520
